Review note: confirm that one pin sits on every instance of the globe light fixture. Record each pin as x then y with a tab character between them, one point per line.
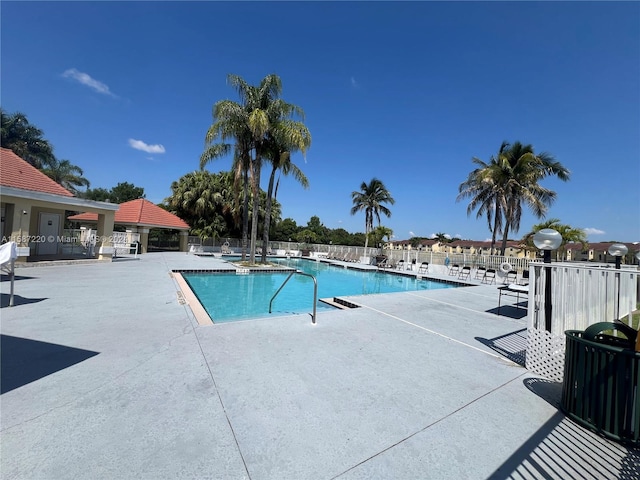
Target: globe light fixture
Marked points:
546	240
618	250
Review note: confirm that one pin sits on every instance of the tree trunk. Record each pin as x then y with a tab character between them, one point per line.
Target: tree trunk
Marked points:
245	215
255	183
494	234
267	216
504	238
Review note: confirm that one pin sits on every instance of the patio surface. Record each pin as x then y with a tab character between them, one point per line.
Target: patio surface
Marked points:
105	374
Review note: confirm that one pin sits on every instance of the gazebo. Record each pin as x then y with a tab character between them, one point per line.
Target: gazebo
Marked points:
139	216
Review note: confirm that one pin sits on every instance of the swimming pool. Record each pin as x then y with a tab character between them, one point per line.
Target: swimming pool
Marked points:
229	297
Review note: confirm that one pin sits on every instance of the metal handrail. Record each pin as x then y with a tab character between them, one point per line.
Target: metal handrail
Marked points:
315	292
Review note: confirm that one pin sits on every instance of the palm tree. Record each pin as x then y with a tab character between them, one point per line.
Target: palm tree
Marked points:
485	194
520	171
230	122
381	232
567	232
66	174
202	199
257	122
25	140
500	188
288	137
371	198
442	237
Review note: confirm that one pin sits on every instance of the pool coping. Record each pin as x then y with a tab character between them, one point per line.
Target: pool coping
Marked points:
190	298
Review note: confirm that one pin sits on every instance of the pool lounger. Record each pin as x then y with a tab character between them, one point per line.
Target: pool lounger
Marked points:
512	290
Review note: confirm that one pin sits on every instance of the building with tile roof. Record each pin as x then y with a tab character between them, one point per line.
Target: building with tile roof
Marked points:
33	208
139	216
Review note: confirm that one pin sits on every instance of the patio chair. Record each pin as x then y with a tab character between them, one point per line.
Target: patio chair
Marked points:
480	273
8	255
400	265
464	273
489	276
524	280
424	267
454	270
510	277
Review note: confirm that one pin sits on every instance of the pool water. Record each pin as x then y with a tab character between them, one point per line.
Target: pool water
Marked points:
229	297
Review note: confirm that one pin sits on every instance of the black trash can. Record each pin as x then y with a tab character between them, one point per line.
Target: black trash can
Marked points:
601	387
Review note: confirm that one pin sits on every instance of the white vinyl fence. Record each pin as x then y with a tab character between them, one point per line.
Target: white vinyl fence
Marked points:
581	295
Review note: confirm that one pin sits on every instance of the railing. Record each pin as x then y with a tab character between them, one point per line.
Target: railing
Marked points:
315	292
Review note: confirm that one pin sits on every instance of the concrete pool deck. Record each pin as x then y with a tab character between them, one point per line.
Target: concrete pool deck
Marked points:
107	374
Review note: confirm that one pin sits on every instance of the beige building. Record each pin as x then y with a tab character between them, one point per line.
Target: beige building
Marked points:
599	252
33	209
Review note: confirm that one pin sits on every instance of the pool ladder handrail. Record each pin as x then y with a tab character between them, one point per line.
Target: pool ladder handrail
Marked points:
315	292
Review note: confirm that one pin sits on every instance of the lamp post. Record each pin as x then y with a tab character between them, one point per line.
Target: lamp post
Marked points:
618	250
546	240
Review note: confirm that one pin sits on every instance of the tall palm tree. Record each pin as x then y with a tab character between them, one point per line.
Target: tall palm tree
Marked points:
66	174
485	194
520	171
258	120
288	137
567	232
499	189
25	140
371	198
230	123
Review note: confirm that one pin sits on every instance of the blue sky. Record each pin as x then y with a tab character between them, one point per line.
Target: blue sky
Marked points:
406	92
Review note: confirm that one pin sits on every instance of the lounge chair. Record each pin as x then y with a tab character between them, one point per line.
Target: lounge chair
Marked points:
424	267
513	290
489	276
464	273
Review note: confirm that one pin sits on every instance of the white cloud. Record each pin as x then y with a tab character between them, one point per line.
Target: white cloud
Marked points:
354	84
594	231
140	145
85	79
457	235
411	233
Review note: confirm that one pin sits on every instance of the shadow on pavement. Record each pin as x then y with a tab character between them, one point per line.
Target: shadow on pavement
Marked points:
510	311
24	361
17	300
563	449
512	345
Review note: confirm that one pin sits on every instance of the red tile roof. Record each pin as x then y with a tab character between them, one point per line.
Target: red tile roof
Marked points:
17	173
139	212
